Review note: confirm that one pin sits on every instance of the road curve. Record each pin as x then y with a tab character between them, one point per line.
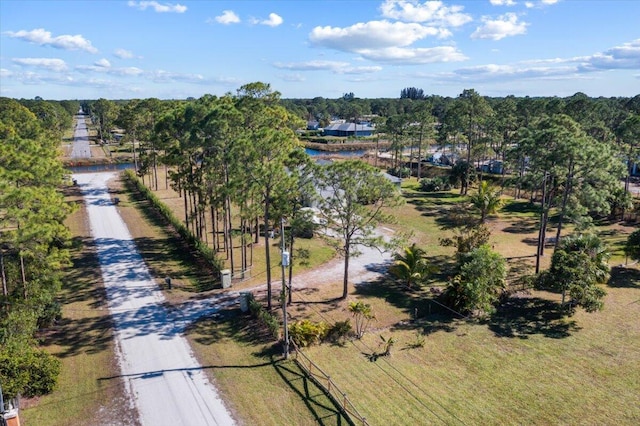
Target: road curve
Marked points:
164	379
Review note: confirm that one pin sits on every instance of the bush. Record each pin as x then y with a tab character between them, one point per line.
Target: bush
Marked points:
306	333
440	183
49	314
28	371
261	314
339	331
401	172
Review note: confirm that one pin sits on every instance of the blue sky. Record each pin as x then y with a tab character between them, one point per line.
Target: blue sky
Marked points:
140	49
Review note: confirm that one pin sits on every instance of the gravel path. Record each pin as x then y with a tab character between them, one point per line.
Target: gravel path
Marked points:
166	383
80	147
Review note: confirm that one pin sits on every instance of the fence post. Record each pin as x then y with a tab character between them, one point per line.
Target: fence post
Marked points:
329	384
344	401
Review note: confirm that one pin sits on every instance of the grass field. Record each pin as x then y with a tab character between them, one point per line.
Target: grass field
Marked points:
523	365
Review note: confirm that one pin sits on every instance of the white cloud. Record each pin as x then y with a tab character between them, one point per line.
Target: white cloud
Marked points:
50	64
158	7
509	72
503	2
371	35
433	12
273	21
227	17
103	63
293	78
161	76
400	55
123	54
126	71
333	66
361	70
43	38
541	3
386	41
626	56
5	73
106	68
504	26
312	65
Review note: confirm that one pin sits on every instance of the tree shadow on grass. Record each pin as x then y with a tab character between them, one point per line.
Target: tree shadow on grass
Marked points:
171	248
246	331
87	335
521	207
320	405
622	277
521	317
393	293
521	226
89	332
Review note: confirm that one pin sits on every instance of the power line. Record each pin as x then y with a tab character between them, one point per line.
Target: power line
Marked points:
421	402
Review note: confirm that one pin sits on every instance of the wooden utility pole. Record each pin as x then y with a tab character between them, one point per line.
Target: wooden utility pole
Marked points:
284	263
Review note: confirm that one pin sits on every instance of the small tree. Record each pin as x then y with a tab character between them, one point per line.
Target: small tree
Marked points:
357	199
412	265
632	247
479	283
486	200
577	267
363	315
467	239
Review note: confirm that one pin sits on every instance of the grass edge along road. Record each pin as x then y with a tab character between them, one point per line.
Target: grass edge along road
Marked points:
89	390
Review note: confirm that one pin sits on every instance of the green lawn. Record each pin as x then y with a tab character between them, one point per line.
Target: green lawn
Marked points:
523	365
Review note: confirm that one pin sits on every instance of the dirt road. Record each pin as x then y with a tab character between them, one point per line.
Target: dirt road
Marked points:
165	382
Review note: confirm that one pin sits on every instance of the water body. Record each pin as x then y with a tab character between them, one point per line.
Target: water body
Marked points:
354	153
95	168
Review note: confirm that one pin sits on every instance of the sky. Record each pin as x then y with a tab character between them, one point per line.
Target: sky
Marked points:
306	49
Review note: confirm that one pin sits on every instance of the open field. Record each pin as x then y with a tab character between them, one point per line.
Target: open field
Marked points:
524	365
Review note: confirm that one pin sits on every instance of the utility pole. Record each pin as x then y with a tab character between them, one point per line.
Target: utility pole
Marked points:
284	263
543	224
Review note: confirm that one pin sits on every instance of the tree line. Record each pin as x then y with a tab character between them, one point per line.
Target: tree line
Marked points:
33	239
568	154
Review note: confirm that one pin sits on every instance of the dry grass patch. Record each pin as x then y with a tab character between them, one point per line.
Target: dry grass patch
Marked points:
524	365
259	386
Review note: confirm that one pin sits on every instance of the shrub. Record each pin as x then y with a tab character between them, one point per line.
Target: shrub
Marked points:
435	184
306	333
339	331
401	172
261	314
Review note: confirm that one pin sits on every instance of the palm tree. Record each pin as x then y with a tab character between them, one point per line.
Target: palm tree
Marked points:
411	265
487	200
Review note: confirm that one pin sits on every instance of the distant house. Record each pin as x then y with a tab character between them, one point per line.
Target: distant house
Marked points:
492	166
313	125
397	181
349	130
